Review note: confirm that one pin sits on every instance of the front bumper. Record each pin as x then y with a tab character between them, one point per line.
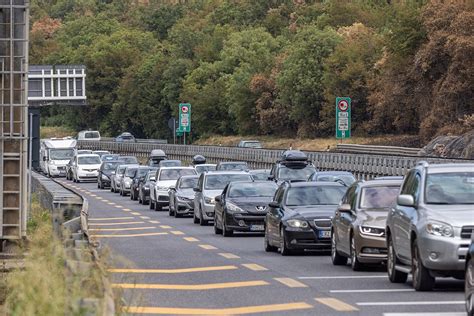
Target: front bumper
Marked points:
162	198
87	175
57	171
245	222
443	253
370	249
306	239
208	212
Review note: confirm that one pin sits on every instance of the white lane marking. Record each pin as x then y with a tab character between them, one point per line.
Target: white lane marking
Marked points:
342	277
410	303
372	291
424	314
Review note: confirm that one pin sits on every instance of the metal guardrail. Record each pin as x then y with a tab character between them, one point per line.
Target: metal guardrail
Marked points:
138	140
364	166
377	150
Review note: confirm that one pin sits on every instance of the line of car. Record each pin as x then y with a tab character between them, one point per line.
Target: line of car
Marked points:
421	224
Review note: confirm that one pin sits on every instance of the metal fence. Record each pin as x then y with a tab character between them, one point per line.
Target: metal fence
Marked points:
377	150
364	166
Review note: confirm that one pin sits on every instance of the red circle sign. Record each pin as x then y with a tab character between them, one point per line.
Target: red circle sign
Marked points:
343	105
184	109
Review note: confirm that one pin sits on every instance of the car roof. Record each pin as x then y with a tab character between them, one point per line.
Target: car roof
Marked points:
231	162
87	155
255	182
333	172
206	165
451	167
217	172
178	167
302	184
377	183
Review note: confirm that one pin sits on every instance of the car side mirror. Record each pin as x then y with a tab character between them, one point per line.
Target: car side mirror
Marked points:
274	204
405	200
172	187
271	178
113	172
196	189
45	158
344	208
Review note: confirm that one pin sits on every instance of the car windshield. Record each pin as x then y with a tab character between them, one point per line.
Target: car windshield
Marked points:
61	154
110	157
450	188
312	195
200	169
260	175
219	181
170	163
142	172
188	183
130	172
378	197
174	174
233	167
91	135
88	160
130	160
253	189
110	165
121	170
347	179
285	173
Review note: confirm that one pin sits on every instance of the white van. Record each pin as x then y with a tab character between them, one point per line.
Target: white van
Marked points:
88	135
55	153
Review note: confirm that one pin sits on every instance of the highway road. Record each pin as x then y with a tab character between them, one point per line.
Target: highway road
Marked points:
164	265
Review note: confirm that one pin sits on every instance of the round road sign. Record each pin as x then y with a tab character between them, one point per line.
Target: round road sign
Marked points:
184	109
343	105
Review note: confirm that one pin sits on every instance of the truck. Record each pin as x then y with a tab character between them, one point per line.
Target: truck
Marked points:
55	153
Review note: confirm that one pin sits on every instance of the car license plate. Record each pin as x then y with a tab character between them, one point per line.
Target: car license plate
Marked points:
256	228
91	175
324	234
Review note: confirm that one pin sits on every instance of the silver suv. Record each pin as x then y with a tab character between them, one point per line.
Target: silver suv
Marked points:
428	230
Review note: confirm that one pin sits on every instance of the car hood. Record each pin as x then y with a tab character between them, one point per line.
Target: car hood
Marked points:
89	166
373	217
165	183
253	205
212	193
187	193
455	215
313	211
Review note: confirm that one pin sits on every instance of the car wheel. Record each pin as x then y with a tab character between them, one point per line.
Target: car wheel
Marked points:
158	208
176	214
356	265
111	187
469	287
152	204
336	258
170	211
266	243
394	275
284	251
422	279
102	186
195	218
202	221
217	230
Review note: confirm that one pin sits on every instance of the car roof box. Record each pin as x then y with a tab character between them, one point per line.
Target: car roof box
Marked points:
157	153
294	156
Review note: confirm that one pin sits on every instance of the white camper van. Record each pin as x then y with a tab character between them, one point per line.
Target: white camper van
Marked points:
55	153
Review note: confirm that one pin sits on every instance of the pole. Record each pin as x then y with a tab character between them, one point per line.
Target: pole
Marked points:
30	162
174	131
184	138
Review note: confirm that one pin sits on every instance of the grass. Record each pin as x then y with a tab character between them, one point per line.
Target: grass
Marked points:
56	131
317	144
45	286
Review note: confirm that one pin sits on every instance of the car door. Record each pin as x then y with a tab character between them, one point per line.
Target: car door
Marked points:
397	213
198	194
273	217
344	221
407	217
219	208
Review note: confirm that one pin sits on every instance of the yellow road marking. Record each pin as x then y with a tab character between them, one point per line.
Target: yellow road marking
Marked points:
207	247
229	255
190	287
336	304
177	232
118	206
112	224
222	311
108	218
133	213
155	222
130	235
127	210
144	217
190	239
94	195
290	282
254	267
119	229
111	203
174	271
165	226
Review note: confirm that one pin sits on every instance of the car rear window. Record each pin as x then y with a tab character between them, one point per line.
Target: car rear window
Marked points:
91	135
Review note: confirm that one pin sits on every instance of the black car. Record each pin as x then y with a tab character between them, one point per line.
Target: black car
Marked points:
242	206
344	177
299	217
105	173
260	174
139	177
293	165
232	166
469	279
182	196
144	187
128	160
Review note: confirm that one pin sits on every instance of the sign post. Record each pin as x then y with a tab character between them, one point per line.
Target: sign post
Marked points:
184	119
343	117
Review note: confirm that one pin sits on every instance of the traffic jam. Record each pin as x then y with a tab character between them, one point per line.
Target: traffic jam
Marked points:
420	225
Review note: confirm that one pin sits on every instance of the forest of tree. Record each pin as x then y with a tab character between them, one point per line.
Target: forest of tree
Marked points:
262	67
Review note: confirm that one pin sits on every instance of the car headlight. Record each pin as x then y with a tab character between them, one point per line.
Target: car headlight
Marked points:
209	200
146	188
183	199
234	208
162	188
104	177
297	223
440	229
372	231
127	182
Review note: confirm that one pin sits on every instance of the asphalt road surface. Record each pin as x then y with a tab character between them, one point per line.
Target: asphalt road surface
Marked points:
164	265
